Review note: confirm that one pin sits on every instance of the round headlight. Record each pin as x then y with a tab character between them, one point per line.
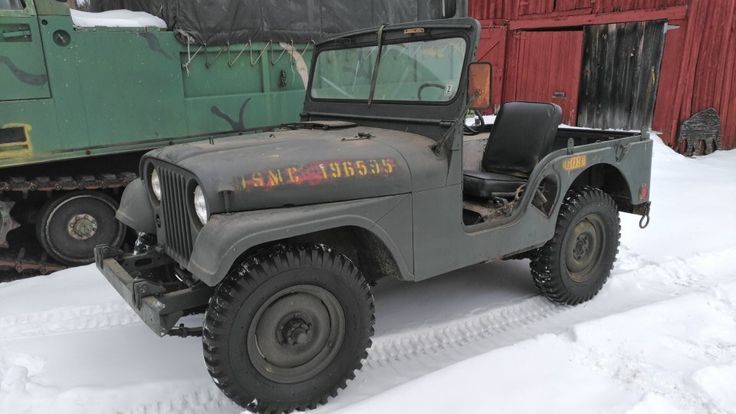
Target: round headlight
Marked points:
156	184
200	206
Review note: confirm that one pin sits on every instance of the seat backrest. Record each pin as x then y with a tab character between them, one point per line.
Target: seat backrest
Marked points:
523	133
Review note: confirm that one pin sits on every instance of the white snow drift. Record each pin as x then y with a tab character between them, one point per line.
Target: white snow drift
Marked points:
116	18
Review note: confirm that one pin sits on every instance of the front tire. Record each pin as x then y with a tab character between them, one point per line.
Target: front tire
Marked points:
287	328
574	265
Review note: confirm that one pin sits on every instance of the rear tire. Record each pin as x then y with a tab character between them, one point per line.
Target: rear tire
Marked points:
575	264
287	328
70	226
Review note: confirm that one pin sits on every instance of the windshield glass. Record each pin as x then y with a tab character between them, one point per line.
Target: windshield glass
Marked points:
426	71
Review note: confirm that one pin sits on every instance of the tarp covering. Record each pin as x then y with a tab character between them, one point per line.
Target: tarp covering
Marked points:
221	22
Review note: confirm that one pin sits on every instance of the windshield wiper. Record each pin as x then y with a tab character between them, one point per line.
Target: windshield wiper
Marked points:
374	75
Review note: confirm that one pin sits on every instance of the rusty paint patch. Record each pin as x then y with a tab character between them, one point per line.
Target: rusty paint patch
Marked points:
575	163
318	172
15	150
414	30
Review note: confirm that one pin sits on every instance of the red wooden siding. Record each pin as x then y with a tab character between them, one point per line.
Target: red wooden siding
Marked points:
546	67
698	68
518	9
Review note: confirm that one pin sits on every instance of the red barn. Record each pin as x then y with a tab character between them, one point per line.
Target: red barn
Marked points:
670	64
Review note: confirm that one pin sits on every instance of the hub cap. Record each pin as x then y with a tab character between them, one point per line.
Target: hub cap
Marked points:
584	247
296	333
82	226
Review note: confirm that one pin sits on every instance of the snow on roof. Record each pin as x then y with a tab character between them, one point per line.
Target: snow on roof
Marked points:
116	18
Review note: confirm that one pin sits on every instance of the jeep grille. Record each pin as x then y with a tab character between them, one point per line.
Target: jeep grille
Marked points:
175	209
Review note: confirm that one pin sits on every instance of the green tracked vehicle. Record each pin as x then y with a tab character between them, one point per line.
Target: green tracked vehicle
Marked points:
80	104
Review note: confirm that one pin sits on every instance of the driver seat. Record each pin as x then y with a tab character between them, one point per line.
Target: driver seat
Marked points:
523	133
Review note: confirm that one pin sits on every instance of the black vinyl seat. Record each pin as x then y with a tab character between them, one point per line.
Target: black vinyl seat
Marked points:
523	133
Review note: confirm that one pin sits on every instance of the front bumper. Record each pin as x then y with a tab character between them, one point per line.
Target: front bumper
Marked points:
159	304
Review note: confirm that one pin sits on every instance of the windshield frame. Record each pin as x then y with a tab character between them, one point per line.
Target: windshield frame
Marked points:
427	36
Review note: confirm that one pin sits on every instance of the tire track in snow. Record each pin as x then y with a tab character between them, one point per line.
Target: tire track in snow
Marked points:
417	358
464	331
67	320
207	400
438	338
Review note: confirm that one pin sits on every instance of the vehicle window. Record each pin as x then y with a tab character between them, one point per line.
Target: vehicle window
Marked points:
412	71
344	73
12	5
420	71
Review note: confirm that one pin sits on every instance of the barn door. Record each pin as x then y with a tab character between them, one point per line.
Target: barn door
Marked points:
546	69
620	74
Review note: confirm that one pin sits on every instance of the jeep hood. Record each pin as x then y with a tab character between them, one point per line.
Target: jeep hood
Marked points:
297	167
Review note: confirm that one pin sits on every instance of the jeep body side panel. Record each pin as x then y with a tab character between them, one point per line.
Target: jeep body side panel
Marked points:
228	236
528	227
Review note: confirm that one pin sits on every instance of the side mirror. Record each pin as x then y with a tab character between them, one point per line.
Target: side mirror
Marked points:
479	85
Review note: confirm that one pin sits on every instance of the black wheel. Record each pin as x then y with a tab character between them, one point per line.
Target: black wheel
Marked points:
287	328
70	226
573	266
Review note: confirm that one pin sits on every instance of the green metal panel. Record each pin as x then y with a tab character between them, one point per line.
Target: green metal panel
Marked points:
112	90
22	67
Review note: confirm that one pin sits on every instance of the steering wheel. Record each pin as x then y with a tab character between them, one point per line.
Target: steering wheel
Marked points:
428	85
474	130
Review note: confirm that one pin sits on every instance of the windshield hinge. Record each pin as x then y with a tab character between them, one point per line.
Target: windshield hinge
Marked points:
374	75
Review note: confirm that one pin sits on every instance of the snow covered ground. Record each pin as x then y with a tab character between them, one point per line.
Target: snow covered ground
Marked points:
660	337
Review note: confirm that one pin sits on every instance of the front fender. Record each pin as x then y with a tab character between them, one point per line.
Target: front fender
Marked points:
227	236
135	209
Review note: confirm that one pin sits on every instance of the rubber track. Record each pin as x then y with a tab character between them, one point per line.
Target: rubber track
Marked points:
16	258
84	182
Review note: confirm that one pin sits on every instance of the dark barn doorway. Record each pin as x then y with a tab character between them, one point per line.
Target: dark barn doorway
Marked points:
620	72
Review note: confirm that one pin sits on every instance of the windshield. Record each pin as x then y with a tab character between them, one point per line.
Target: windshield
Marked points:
427	71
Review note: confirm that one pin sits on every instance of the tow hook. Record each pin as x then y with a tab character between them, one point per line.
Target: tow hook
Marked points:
643	210
183	331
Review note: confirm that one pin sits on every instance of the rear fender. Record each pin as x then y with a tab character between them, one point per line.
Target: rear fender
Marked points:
621	168
227	237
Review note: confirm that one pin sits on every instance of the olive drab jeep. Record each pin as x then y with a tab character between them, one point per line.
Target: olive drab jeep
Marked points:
277	237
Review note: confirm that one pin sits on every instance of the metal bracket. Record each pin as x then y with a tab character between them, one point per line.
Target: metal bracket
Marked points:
621	151
184	331
7	224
